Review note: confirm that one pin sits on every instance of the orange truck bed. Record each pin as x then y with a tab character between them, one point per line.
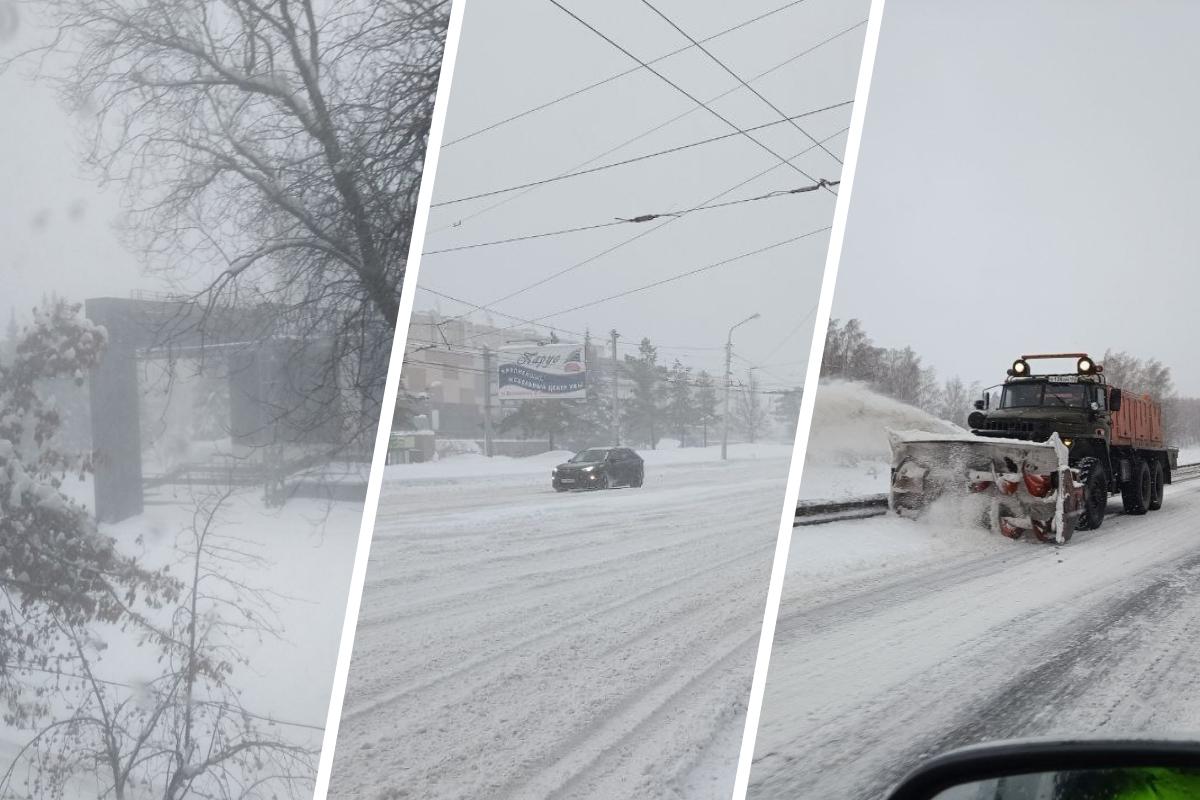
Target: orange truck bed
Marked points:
1138	423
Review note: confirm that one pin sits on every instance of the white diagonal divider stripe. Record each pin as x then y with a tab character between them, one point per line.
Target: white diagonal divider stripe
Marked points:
820	325
391	387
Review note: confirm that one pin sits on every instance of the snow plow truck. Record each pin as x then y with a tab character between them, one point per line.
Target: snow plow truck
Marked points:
1044	458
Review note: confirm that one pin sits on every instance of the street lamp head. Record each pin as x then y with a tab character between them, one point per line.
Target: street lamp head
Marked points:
753	316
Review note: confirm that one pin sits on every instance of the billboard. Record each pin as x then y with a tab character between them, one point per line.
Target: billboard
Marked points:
542	372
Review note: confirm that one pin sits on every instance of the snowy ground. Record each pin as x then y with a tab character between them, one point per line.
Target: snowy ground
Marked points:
921	647
515	642
308	547
898	640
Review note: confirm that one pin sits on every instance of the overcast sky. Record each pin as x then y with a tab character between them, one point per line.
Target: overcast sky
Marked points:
57	226
515	55
1028	181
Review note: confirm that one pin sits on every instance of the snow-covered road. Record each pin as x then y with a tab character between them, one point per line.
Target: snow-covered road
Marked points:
910	650
514	642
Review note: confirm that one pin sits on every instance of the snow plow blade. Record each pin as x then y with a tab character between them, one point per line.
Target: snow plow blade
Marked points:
1019	486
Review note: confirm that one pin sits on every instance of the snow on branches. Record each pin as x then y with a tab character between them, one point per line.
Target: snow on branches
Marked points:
55	567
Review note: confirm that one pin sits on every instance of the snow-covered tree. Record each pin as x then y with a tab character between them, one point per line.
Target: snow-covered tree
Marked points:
1138	375
550	418
56	568
281	142
679	412
706	404
954	404
786	410
184	733
592	416
642	411
749	414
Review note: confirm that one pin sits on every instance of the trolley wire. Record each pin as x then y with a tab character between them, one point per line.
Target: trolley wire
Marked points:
762	145
789	60
641	218
676	277
630	240
615	76
540	321
739	78
635	159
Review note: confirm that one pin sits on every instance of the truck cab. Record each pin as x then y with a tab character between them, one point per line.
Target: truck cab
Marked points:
1114	440
1076	407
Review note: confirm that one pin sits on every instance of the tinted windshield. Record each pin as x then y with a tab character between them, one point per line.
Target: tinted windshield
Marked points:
592	454
1024	395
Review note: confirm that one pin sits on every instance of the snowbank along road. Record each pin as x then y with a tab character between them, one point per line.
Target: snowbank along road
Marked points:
514	642
970	638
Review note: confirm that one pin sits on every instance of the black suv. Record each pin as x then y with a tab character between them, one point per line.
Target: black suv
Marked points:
600	468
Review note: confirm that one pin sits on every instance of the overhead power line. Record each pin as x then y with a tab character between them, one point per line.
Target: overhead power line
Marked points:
763	146
688	274
739	78
239	711
630	240
680	276
625	162
799	325
660	126
541	320
641	218
616	76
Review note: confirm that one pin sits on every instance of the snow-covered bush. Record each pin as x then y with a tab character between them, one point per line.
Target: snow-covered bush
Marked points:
56	568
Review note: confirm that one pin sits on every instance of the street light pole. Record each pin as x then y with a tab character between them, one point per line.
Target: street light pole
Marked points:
487	402
728	367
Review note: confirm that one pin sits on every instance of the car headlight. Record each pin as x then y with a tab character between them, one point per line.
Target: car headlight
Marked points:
1067	442
589	469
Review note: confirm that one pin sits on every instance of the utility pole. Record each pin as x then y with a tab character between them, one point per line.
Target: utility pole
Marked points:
728	365
616	410
487	402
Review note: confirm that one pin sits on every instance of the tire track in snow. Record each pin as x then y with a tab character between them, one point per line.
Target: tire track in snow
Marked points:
475	578
577	599
556	654
880	672
1097	643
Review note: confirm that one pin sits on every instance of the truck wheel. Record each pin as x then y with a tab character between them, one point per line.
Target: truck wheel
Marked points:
1095	494
1156	486
1135	494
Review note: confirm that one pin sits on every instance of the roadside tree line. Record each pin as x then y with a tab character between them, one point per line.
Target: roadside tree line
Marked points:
658	400
850	354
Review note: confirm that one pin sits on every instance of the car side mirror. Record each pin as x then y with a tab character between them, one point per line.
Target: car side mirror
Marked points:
1114	400
1070	770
